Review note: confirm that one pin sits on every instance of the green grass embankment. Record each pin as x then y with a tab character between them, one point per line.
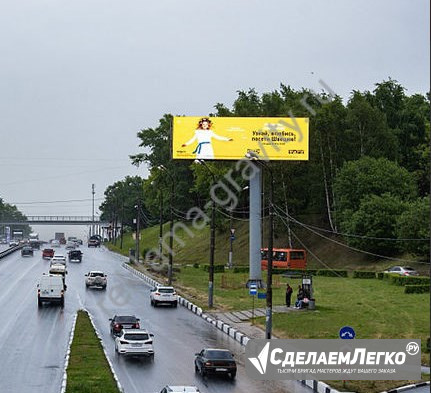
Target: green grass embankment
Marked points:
88	370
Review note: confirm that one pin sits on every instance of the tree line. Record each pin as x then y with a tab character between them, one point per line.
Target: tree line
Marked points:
367	174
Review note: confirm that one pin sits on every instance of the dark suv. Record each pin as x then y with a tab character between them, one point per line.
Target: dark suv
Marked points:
94	243
211	360
27	251
119	322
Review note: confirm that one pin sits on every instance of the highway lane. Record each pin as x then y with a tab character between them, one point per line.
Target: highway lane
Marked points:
179	334
34	341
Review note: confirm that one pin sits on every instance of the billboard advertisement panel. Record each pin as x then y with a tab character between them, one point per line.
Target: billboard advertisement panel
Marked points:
231	138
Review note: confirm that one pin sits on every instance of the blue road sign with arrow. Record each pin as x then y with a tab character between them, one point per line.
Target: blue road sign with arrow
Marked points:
347	332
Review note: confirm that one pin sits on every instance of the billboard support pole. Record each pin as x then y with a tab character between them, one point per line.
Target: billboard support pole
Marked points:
255	230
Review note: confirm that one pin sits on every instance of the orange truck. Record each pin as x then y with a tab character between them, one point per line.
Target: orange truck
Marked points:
284	258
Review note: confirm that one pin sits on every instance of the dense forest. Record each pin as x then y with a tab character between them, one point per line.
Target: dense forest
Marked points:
10	212
367	176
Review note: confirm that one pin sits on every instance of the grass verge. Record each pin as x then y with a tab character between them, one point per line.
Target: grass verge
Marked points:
375	308
88	370
371	386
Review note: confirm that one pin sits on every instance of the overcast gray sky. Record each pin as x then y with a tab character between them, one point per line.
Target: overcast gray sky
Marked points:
78	79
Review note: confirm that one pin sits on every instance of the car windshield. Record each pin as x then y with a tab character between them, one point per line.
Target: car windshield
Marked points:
137	336
97	275
214	354
166	290
125	319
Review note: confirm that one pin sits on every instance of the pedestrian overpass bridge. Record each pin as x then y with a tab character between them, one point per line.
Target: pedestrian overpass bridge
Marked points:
57	220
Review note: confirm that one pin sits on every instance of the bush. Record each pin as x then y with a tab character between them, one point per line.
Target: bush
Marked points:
363	274
408	280
331	273
417	288
241	269
380	275
196	265
217	268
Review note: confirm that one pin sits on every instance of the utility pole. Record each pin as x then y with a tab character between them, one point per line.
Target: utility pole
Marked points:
92	220
138	228
122	227
171	225
171	236
232	231
160	226
212	239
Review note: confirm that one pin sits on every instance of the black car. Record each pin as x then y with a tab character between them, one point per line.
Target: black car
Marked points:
93	243
75	256
214	361
27	251
119	322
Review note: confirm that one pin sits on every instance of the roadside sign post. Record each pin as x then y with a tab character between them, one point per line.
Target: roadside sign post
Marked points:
346	333
253	293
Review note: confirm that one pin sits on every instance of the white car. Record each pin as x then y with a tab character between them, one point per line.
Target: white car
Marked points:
50	289
58	258
55	243
180	389
57	268
163	295
70	245
96	279
402	271
134	342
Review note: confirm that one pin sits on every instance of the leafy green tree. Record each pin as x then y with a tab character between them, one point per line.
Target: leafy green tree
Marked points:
413	223
10	212
375	218
156	143
368	133
371	176
121	199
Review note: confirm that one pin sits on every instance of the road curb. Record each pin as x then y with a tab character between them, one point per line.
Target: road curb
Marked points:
120	388
67	357
219	324
234	333
407	387
319	386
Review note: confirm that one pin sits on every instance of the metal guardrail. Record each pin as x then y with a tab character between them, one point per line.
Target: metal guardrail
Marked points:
10	250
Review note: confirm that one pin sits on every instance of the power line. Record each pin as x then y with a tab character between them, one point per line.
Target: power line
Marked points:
345	234
47	202
354	248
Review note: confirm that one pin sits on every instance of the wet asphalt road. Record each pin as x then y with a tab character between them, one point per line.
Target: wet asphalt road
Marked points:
34	341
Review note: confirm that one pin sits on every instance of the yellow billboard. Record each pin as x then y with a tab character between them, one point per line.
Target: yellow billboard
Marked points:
231	138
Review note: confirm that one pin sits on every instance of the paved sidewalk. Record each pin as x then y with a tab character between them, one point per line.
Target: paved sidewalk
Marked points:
241	320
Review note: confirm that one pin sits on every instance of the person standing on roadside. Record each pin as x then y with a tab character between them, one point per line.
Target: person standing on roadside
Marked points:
289	291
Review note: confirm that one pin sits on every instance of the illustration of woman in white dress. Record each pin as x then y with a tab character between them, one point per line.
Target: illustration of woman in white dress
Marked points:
203	135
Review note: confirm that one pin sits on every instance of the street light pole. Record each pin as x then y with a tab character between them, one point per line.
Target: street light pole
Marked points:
171	225
212	240
138	228
230	262
92	217
160	226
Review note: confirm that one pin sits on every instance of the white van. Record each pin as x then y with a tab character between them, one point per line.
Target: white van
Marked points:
50	289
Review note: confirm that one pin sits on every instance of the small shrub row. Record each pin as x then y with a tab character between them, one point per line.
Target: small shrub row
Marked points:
363	274
417	288
217	268
241	269
331	273
408	280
